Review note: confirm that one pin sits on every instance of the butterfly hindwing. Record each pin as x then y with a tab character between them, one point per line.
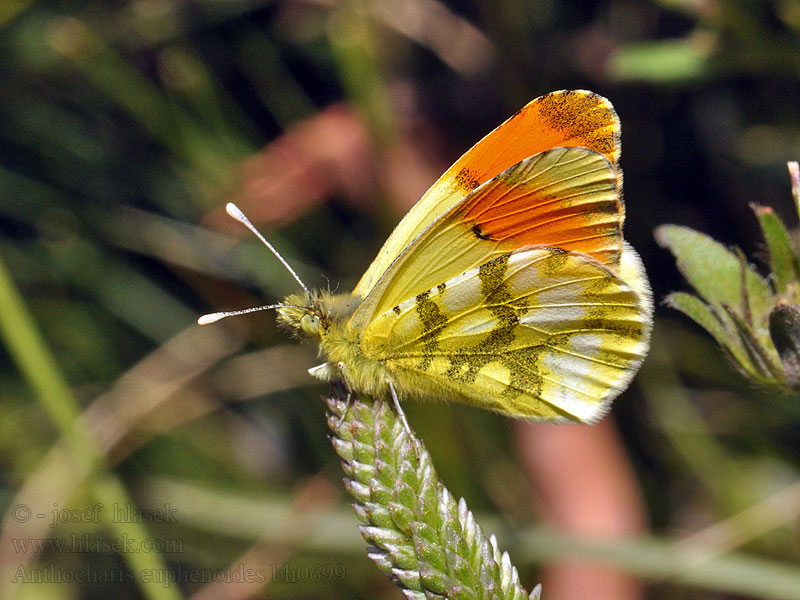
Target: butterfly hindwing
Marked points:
566	118
538	333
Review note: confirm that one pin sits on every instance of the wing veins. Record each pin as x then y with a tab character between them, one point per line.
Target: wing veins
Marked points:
553	200
535	190
535	225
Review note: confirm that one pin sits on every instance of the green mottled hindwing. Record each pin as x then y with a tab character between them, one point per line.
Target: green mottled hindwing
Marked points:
539	333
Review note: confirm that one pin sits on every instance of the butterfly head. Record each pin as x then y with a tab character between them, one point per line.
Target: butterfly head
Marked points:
315	313
306	314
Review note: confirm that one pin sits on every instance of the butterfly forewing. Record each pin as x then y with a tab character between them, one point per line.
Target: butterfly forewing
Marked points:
559	119
537	333
565	198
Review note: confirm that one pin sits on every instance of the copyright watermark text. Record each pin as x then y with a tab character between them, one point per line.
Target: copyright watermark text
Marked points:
295	573
119	513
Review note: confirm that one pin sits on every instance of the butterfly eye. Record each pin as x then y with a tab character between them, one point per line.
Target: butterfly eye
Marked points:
309	323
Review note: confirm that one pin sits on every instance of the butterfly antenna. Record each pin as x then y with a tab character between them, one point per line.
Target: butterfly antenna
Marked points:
237	214
214	317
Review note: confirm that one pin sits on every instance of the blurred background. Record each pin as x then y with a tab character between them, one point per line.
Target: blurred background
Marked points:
144	457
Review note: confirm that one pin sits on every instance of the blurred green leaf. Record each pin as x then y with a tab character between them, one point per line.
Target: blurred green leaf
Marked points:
11	8
761	356
703	315
783	259
353	41
672	61
714	271
24	342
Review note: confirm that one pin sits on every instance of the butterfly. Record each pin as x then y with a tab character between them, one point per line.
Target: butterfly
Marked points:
508	286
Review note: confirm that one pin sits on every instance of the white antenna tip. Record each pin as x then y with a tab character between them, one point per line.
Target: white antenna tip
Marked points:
234	211
237	214
210	318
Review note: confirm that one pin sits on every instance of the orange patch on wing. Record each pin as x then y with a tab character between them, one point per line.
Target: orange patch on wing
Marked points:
516	214
560	119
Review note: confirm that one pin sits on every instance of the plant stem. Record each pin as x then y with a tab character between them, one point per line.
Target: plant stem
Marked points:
425	541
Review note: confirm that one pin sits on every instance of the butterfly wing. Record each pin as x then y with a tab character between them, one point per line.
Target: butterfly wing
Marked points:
537	333
559	119
564	198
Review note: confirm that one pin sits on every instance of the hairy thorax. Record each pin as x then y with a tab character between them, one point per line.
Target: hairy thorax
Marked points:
324	317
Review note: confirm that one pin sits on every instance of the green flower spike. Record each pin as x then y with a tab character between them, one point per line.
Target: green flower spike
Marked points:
425	541
755	320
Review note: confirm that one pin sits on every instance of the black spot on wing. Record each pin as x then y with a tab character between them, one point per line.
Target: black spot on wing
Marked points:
479	234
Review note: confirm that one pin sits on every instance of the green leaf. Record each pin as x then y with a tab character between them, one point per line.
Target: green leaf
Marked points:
716	272
708	319
762	356
782	256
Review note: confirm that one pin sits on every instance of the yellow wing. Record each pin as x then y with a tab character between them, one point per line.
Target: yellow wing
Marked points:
539	333
563	118
564	198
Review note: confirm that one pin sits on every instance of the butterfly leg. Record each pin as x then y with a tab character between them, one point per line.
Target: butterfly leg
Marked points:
347	402
349	398
400	412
